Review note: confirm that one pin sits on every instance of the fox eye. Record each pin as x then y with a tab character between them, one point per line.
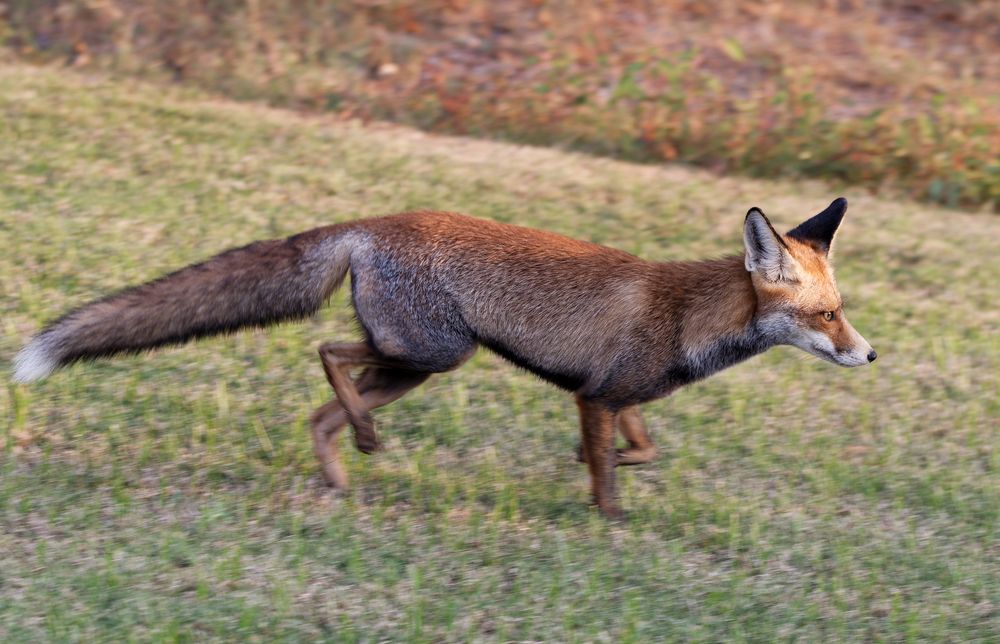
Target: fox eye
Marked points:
828	316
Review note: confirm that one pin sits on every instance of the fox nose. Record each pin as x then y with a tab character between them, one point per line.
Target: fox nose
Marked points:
872	355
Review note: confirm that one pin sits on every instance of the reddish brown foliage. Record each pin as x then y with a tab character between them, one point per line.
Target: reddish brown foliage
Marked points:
892	92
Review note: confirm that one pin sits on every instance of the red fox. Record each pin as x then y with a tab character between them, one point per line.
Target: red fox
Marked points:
429	287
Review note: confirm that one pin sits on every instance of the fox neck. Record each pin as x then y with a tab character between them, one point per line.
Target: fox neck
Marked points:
721	322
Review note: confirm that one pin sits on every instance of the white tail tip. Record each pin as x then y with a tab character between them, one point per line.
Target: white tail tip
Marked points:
35	361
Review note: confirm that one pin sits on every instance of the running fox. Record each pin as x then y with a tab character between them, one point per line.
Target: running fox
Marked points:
429	287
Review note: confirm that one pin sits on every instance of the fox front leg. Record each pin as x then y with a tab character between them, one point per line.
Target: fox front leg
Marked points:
640	448
597	425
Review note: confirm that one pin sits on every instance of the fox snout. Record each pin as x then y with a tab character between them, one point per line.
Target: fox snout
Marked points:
856	358
860	352
852	361
856	352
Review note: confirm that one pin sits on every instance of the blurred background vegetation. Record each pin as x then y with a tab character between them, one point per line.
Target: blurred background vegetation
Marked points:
895	95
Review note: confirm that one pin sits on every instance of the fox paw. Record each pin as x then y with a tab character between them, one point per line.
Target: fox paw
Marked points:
635	455
365	436
611	511
624	455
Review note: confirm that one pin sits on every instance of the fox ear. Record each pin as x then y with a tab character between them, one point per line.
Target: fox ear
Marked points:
766	252
820	229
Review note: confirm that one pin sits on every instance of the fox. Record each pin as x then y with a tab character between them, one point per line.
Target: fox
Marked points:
428	288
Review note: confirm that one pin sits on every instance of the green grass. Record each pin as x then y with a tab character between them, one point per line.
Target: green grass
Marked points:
174	496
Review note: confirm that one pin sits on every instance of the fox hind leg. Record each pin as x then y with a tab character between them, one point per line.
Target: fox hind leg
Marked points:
338	359
376	386
327	423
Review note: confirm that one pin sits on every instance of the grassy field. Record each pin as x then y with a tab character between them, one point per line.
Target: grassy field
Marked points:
174	496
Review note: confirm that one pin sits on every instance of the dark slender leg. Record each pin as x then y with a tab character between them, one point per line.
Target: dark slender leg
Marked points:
597	425
376	386
338	359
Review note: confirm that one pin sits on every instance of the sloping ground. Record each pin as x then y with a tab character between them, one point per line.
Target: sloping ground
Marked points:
885	93
175	496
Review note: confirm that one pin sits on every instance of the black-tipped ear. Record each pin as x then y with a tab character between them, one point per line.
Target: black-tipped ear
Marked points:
820	229
766	252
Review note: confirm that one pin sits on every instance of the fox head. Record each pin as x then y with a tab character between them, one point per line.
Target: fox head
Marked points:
797	297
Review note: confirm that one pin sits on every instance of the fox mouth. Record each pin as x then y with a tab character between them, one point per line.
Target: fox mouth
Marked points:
826	355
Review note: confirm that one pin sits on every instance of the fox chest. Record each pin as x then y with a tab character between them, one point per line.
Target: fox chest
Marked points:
642	377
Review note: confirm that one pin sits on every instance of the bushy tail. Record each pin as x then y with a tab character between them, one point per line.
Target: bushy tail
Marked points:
256	285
